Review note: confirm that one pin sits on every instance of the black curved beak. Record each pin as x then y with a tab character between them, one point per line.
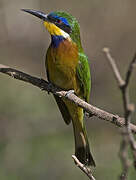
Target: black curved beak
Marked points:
38	14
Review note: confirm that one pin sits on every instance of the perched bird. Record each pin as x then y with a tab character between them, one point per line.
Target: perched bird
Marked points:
67	67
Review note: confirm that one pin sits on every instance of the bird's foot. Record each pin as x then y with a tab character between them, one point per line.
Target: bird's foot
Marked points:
69	93
48	86
89	115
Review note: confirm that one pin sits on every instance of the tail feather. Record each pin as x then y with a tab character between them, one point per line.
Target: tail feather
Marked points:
82	149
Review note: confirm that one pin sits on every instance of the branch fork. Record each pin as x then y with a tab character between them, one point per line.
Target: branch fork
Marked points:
129	108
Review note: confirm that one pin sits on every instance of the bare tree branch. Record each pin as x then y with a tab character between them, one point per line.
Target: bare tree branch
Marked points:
129	108
130	70
128	137
86	170
46	86
123	154
113	65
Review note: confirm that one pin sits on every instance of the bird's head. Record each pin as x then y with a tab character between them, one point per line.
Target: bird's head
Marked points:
59	24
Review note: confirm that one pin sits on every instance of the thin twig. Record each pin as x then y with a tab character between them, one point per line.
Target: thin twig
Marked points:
85	169
128	137
123	154
114	67
46	86
130	70
129	108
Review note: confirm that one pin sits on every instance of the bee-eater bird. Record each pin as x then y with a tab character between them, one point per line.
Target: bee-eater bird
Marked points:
67	67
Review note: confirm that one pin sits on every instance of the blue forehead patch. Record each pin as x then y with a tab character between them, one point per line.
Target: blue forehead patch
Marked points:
64	20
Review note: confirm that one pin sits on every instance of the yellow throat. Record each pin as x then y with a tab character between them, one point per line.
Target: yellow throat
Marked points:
54	30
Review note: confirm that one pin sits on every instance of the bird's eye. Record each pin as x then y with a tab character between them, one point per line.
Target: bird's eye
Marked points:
58	21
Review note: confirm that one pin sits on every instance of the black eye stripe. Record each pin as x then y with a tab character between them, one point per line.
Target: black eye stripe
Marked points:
64	28
60	24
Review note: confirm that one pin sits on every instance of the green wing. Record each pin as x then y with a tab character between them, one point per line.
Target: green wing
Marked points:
83	74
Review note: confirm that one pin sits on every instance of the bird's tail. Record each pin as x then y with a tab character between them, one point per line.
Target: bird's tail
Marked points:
82	149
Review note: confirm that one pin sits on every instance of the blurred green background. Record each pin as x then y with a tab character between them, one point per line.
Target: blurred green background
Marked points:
35	143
